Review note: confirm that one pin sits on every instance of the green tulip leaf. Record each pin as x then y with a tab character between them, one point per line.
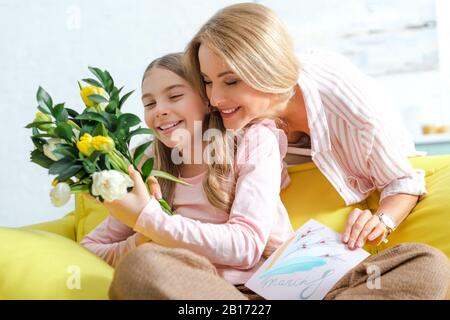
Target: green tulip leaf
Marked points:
38	157
139	153
92	82
124	98
128	120
168	176
93	116
44	100
64	130
147	167
97	98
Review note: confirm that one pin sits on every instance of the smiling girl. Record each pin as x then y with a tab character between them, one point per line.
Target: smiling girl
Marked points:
231	215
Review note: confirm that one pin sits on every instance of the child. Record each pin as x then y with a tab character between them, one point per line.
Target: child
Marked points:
231	214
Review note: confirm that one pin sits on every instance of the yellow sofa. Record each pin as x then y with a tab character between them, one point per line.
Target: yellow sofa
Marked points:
45	261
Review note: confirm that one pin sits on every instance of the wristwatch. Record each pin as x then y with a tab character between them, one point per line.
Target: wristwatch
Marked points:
388	221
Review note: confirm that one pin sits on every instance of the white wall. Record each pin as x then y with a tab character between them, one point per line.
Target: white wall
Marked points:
395	41
51	43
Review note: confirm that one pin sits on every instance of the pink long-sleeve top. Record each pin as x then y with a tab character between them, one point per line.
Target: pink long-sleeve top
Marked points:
237	242
355	142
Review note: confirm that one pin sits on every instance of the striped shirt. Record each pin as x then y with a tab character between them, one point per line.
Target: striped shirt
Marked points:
354	143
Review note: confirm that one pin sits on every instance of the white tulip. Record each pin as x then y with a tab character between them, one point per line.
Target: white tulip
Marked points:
110	184
60	194
50	146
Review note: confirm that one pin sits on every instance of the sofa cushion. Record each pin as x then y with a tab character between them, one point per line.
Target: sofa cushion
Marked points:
36	264
88	214
310	195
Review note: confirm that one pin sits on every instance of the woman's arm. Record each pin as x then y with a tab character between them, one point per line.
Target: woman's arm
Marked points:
382	154
401	187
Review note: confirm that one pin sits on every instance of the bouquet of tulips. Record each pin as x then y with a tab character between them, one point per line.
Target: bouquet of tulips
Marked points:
89	151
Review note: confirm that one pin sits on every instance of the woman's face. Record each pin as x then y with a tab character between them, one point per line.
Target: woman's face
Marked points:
237	102
171	103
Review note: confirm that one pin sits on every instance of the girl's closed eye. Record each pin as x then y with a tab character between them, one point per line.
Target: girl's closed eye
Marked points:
176	97
206	82
150	105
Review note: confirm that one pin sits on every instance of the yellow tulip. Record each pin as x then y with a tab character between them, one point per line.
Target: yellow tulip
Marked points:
85	145
85	92
86	137
103	143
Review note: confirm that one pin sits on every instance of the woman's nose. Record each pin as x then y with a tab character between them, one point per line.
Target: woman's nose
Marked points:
216	97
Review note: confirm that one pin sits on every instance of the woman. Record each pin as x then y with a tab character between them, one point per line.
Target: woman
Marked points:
243	59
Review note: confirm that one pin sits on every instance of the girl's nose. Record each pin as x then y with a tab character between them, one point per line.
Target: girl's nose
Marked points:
162	113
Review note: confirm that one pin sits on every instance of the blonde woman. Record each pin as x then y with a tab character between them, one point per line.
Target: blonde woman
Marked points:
242	60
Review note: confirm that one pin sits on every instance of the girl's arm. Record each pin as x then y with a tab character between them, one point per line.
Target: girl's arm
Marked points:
241	241
111	240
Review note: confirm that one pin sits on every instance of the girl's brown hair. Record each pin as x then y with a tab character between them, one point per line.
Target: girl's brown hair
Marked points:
219	181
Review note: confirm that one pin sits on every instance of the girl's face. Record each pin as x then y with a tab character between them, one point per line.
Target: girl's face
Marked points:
170	103
237	102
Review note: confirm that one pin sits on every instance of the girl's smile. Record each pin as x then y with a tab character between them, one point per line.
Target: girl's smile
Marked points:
168	127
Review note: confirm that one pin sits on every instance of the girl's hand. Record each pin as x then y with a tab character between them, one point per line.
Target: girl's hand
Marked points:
154	187
152	183
362	226
128	208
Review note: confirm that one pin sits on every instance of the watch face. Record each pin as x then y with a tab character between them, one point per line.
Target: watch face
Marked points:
388	221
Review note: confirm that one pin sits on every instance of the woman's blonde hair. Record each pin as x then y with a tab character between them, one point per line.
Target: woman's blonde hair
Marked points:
219	181
254	43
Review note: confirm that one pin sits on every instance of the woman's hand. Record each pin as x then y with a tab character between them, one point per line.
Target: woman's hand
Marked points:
362	226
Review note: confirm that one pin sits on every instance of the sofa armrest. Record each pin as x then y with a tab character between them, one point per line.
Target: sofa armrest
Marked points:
64	226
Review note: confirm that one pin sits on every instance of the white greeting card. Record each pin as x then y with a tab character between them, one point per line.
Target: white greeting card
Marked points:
306	266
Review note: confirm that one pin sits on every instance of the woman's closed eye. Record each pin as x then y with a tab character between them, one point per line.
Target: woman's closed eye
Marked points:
231	82
206	82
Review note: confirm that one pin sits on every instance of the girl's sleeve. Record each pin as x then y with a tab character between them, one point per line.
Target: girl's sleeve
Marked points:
240	241
110	240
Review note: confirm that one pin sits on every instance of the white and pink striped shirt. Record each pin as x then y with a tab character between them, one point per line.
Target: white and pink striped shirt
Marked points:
354	145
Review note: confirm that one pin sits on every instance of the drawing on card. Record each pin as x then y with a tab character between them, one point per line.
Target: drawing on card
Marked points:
296	257
305	266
